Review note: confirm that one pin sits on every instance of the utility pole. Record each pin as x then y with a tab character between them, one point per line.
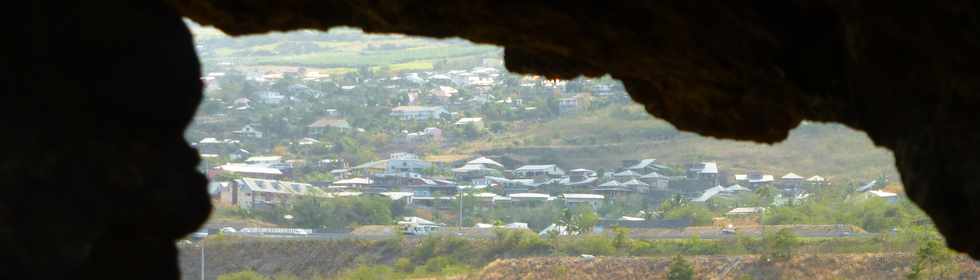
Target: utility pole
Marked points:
202	259
460	225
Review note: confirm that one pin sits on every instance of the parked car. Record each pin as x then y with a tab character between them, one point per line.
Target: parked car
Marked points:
730	229
200	234
228	230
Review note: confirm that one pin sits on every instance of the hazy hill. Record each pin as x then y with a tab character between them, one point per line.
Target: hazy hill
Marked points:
603	138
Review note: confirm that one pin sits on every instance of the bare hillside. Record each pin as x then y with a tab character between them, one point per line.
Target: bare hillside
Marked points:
837	266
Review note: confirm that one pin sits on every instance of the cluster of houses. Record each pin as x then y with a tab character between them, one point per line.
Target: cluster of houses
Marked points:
422	96
407	178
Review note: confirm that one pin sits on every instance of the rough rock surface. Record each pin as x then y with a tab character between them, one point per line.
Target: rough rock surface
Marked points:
97	93
97	179
905	72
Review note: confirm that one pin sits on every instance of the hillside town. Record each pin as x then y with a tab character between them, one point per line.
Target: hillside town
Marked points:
268	163
441	161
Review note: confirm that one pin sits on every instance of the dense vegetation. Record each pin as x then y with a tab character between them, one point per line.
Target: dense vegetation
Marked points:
449	255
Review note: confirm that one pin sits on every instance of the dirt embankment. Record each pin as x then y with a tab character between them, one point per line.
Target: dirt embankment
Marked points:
830	266
307	259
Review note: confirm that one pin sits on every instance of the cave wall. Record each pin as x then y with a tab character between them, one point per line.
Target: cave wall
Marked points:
906	72
98	181
96	95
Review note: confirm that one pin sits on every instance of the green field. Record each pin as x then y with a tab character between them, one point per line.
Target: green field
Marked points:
379	58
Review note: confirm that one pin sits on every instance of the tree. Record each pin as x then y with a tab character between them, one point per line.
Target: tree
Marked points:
698	215
933	261
621	240
584	219
680	269
309	213
765	195
243	275
779	245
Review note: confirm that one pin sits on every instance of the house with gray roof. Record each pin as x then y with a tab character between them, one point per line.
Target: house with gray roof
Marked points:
249	193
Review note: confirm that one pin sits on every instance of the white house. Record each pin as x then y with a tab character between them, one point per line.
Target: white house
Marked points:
264	160
270	97
754	179
574	199
249	170
396	163
890	197
740	211
248	131
529	197
529	171
485	162
478	122
407	113
418	226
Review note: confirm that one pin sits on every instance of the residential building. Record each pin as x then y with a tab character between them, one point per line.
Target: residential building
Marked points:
264	160
544	170
248	131
353	182
626	175
324	124
396	163
414	183
889	197
575	199
573	104
418	226
418	113
442	94
270	97
613	189
704	171
743	211
477	122
790	180
708	194
474	171
637	185
643	166
529	199
656	180
254	192
248	170
754	179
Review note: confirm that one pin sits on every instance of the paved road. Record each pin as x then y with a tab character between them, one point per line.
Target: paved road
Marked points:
663	235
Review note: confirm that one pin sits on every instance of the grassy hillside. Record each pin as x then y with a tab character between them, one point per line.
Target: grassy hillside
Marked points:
823	266
601	139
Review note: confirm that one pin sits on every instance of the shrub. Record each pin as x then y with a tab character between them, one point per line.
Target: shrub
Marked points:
779	245
680	269
593	245
509	243
403	264
453	247
933	261
437	264
375	272
243	275
621	240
